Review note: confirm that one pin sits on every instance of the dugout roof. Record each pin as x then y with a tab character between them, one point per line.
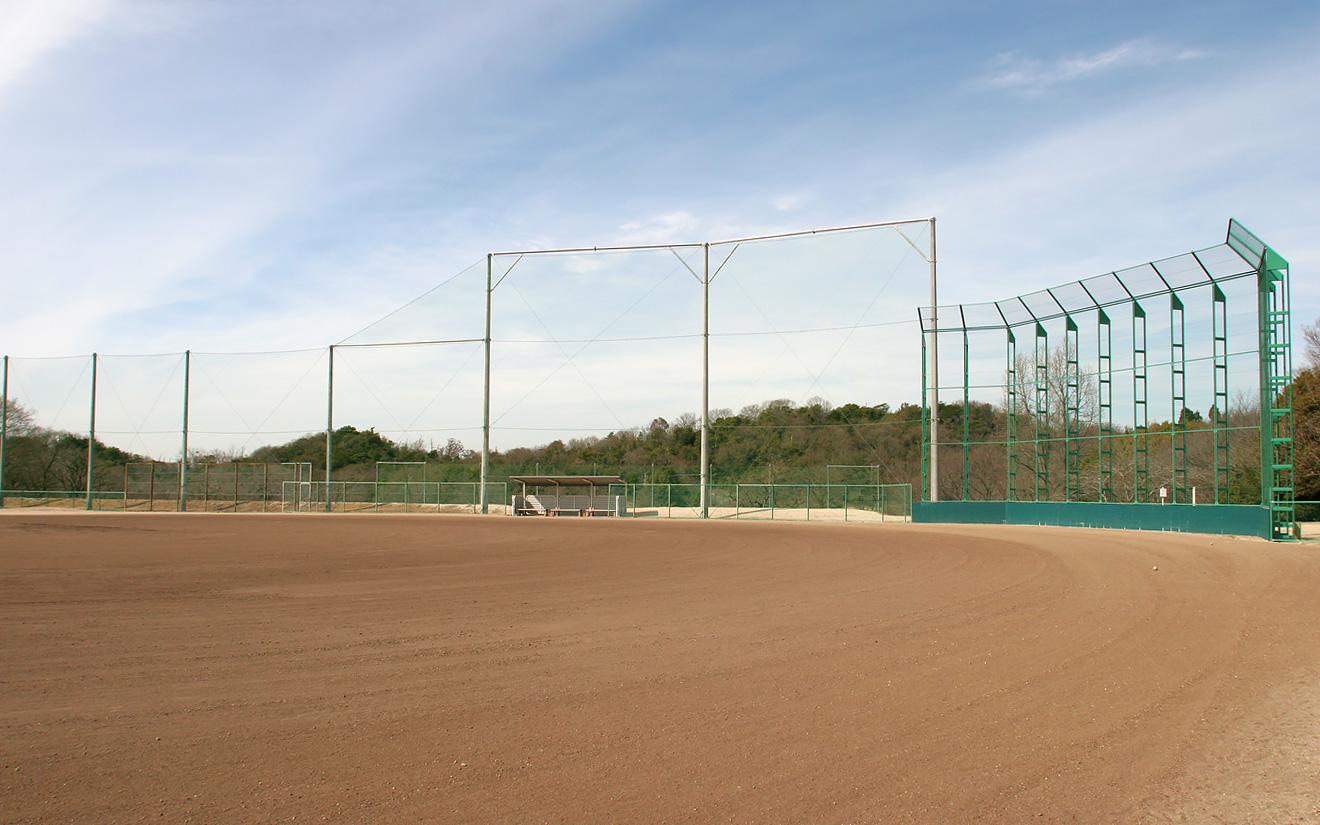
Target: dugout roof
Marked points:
567	481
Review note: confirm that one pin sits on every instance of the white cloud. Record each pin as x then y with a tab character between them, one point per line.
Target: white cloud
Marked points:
1020	71
670	227
1153	179
200	186
29	29
789	202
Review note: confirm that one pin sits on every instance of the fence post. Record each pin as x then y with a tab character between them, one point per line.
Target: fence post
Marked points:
329	422
4	430
485	402
705	382
183	455
91	435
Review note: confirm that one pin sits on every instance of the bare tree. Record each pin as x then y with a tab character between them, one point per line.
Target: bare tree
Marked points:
1311	336
19	420
1056	391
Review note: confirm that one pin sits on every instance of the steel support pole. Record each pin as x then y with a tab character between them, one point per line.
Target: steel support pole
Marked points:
329	423
1264	305
91	435
1219	419
183	454
1140	410
1105	356
485	398
705	381
966	414
4	429
1010	413
934	375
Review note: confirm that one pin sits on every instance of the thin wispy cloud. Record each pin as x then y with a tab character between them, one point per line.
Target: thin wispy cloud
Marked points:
31	29
1020	71
788	203
673	227
1116	171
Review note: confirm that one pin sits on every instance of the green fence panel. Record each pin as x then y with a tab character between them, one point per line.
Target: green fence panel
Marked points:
1226	519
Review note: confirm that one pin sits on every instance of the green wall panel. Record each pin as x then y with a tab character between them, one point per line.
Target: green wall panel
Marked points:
1238	520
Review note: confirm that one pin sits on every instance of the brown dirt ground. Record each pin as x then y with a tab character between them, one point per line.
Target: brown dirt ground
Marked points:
236	669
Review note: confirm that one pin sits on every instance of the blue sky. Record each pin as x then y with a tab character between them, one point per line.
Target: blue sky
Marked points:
229	176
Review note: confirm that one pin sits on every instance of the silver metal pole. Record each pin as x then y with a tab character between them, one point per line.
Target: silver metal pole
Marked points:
934	375
485	400
705	381
91	435
183	455
4	430
329	423
723	242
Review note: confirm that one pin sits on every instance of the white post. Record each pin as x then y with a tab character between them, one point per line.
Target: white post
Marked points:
705	382
91	435
4	429
183	455
934	375
485	404
329	423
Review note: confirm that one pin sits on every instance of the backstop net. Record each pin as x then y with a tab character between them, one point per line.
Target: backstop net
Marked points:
763	358
790	344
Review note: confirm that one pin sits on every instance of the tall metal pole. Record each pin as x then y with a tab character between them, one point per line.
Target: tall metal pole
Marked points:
934	375
705	381
91	435
4	430
183	455
329	423
485	398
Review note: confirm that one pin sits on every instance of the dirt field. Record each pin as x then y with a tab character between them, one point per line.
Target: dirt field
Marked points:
237	669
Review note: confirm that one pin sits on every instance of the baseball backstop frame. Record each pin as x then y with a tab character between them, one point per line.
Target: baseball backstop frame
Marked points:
1068	452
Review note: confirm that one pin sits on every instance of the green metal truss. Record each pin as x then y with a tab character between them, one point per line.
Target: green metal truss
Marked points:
1140	411
1042	414
1219	410
1178	393
1010	412
1113	453
1274	324
1105	398
1072	415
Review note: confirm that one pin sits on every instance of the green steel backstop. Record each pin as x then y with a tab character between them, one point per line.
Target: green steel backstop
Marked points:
1153	397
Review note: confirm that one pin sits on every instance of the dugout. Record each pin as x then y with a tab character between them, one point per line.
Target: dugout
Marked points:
569	496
